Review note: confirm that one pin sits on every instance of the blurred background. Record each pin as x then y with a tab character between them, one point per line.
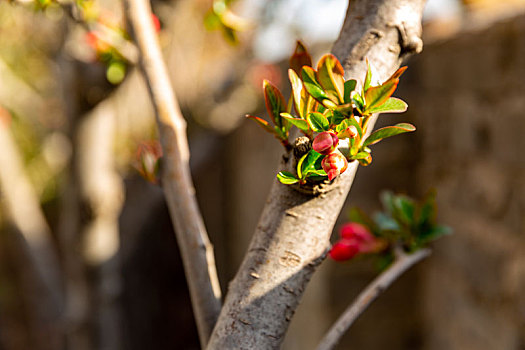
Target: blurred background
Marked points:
86	244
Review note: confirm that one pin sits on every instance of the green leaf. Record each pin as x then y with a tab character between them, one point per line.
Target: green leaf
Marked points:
337	118
318	122
300	97
287	178
433	233
275	103
377	95
300	58
349	87
360	155
309	164
386	223
312	85
368	76
358	101
301	124
388	131
392	105
262	123
330	75
427	212
404	209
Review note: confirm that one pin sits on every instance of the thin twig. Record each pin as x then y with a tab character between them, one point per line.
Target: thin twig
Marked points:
402	263
196	249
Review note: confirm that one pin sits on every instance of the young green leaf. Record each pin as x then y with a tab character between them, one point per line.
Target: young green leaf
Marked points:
301	124
377	95
312	85
287	178
300	97
262	123
330	75
300	58
392	105
358	101
388	131
275	103
337	118
309	163
361	155
318	122
349	87
368	76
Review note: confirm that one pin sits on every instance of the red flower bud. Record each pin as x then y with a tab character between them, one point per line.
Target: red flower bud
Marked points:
334	164
353	230
344	250
156	23
325	143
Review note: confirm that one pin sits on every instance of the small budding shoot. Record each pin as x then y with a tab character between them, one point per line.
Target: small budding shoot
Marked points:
404	223
332	113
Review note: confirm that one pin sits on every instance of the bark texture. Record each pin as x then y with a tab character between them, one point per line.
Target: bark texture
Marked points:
293	233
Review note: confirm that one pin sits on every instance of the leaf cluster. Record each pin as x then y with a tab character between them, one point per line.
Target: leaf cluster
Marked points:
321	100
404	221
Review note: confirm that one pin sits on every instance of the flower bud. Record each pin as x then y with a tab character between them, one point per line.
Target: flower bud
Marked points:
334	164
350	132
325	143
147	160
343	250
353	230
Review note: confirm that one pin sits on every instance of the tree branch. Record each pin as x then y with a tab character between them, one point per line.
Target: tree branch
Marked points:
196	249
402	263
293	233
26	215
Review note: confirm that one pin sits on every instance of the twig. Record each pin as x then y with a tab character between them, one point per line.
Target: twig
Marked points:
196	249
402	263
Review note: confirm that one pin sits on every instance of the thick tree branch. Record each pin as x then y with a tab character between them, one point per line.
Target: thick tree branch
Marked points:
294	229
402	263
196	249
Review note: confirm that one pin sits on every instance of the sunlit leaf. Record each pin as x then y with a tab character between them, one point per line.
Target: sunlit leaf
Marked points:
377	95
275	103
262	123
349	87
330	75
388	131
309	163
312	85
300	58
301	124
287	178
318	122
300	96
392	105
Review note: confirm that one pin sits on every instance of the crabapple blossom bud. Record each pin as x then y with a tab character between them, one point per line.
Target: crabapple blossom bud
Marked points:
325	143
334	164
353	230
344	250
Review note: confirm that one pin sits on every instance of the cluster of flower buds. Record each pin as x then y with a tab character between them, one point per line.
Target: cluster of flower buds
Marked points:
335	163
355	239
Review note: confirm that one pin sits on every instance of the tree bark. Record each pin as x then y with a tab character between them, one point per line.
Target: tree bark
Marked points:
196	249
293	233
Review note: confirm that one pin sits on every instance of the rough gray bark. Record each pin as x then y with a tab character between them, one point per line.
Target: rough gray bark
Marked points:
196	249
293	233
